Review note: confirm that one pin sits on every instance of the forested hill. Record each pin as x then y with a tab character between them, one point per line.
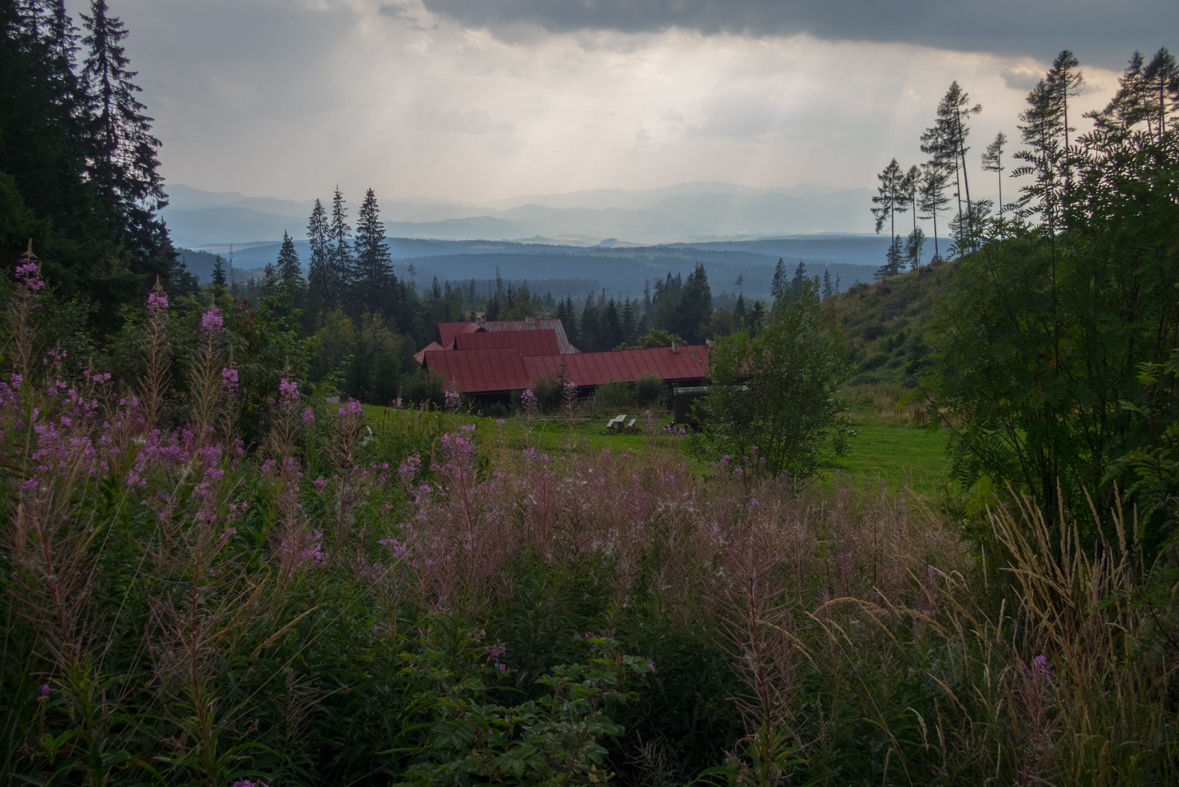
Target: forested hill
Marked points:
885	324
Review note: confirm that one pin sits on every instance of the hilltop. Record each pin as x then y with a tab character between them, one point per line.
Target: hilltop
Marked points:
885	325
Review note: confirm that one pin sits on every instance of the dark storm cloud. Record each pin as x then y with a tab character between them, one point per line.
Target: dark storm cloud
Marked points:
1101	32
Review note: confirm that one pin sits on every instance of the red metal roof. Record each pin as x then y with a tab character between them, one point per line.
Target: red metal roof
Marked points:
527	342
545	324
481	371
420	355
624	365
495	370
447	331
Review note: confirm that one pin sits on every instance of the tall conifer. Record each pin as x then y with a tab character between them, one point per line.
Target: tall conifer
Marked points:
373	278
122	157
318	277
339	249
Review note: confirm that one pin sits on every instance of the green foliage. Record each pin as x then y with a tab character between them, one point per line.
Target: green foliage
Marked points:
1044	331
649	389
613	396
777	396
549	392
556	739
426	386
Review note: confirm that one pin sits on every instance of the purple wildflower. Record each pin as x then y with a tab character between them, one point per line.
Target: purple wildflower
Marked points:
288	393
229	382
212	322
157	301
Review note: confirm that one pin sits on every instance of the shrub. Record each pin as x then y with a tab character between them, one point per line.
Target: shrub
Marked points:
613	396
426	386
649	389
549	392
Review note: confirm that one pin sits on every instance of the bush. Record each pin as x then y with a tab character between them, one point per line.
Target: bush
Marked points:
426	385
613	396
649	389
549	392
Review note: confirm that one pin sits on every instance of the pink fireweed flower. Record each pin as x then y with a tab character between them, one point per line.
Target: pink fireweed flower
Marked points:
309	416
352	408
409	468
288	392
212	322
1041	663
29	276
229	382
452	400
157	302
45	690
320	483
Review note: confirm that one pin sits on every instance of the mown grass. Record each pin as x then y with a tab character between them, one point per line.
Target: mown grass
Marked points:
905	458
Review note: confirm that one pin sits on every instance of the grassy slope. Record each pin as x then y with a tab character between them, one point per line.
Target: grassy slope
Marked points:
901	457
884	325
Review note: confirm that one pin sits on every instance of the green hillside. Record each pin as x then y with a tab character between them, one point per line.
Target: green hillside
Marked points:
884	325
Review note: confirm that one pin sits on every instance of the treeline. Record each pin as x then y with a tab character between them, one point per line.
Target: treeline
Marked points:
78	163
350	282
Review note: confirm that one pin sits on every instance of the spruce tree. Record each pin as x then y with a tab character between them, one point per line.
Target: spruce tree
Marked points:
288	265
629	325
827	291
892	197
318	277
219	279
945	142
1160	82
611	326
913	245
122	153
992	161
374	280
695	306
798	279
779	280
590	333
339	250
1064	80
931	198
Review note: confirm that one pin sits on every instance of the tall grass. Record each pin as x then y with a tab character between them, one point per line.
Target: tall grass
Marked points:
414	600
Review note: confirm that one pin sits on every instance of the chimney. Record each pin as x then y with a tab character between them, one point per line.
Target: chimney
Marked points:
480	319
675	346
530	321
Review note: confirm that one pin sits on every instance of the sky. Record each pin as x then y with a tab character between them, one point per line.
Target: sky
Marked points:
479	100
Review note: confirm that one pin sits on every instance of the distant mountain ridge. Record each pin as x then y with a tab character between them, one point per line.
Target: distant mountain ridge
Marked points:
689	211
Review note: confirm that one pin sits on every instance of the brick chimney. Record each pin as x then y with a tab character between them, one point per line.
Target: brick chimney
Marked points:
675	346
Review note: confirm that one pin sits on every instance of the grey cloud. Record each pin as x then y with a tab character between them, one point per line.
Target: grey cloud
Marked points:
1101	32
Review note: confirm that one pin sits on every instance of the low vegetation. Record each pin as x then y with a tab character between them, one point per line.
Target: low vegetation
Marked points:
442	600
